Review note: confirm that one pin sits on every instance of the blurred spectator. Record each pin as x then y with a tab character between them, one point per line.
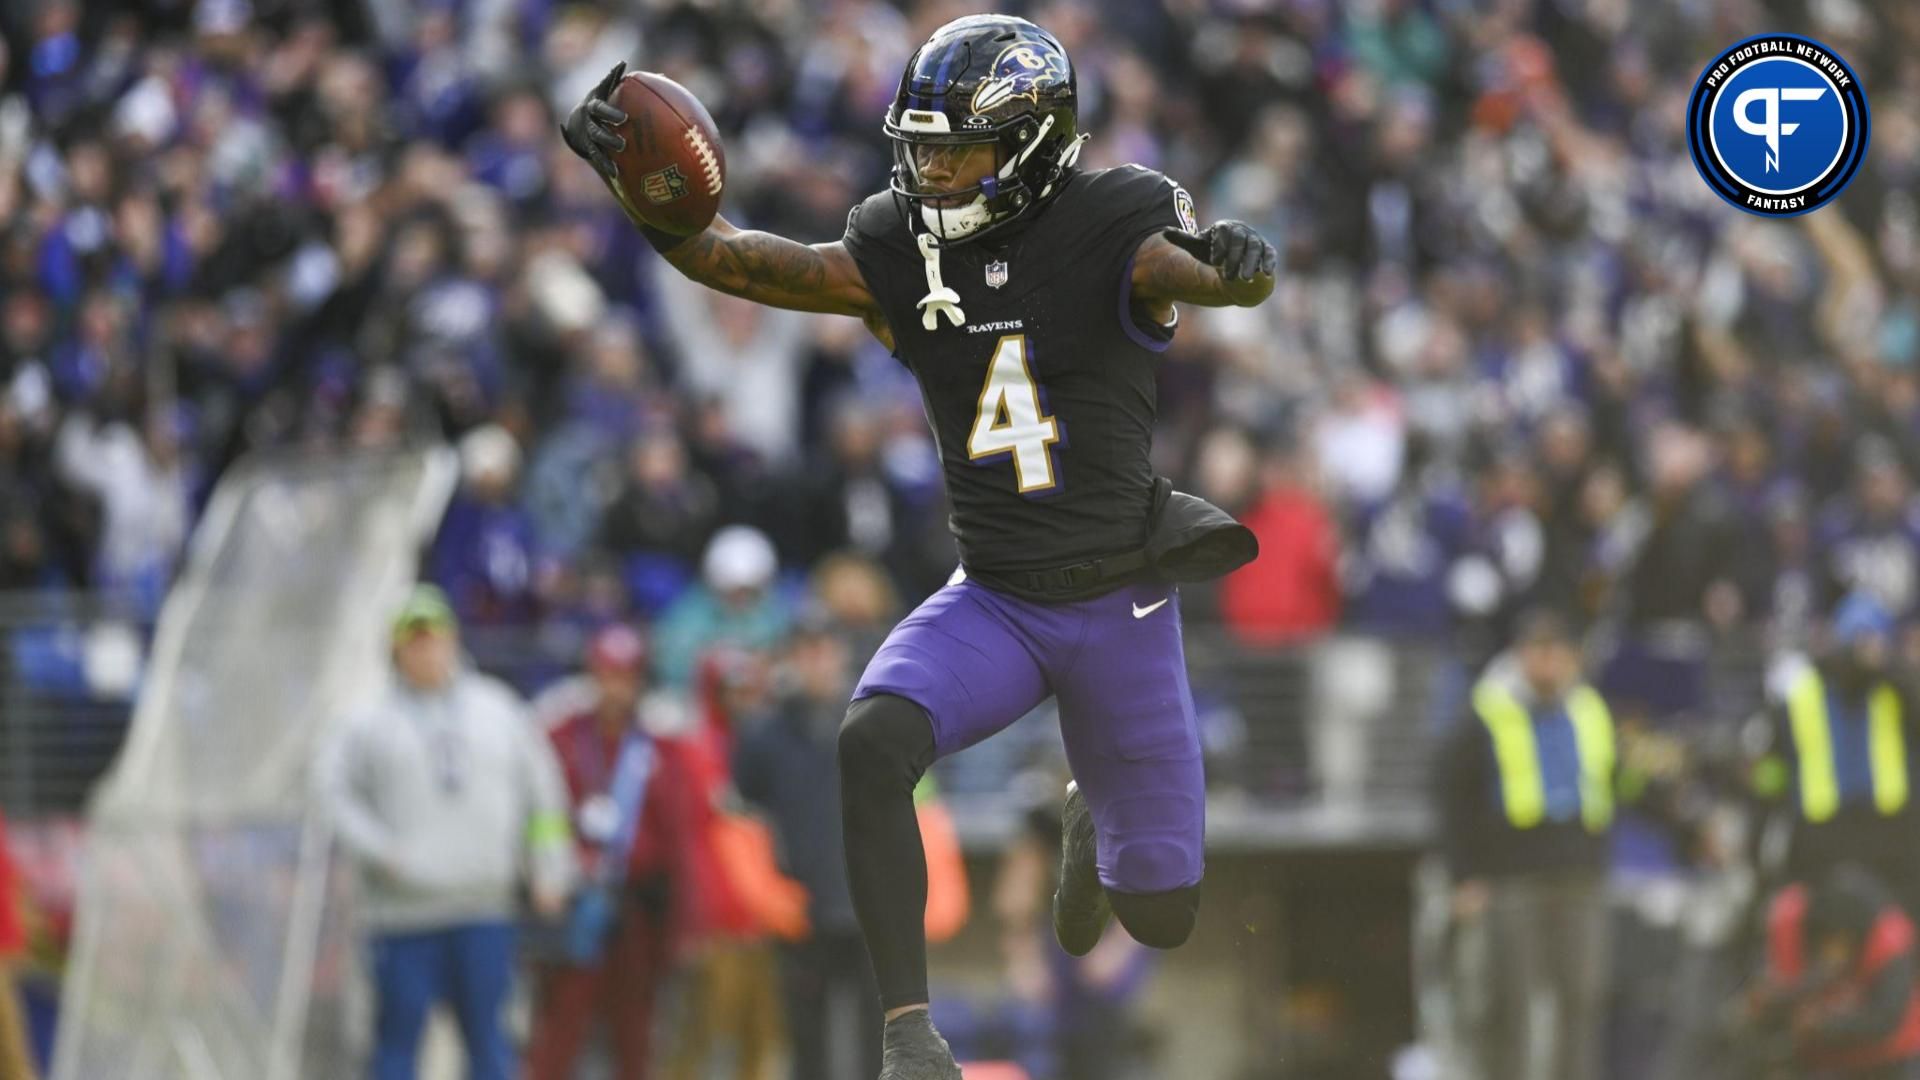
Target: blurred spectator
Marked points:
661	519
440	793
731	1003
635	807
851	501
1564	446
1524	790
1754	492
743	355
613	396
1838	755
734	604
16	1052
483	556
1838	996
1795	589
1511	541
1290	592
858	598
25	563
1401	562
135	472
1868	538
787	766
1676	584
1359	442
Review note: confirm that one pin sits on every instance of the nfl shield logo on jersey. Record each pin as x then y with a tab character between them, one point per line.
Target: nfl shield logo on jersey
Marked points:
996	274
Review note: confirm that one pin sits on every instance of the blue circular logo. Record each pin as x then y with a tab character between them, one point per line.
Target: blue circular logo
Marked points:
1777	125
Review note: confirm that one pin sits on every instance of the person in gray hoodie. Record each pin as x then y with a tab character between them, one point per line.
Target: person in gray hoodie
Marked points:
446	796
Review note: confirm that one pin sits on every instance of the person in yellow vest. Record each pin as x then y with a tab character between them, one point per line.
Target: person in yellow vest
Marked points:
1840	764
1524	788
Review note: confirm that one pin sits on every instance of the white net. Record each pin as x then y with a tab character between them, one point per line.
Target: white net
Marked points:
212	939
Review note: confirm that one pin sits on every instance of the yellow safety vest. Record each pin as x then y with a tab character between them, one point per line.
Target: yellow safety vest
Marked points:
1813	745
1514	750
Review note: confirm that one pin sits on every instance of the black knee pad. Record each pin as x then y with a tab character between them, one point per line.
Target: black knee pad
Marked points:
1157	920
886	743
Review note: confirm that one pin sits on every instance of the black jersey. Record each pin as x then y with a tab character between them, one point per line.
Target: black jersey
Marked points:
1042	403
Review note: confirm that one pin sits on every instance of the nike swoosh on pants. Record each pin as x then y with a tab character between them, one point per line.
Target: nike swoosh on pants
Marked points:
1142	612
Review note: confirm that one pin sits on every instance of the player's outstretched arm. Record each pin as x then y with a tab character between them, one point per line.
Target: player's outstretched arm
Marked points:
759	266
785	273
773	269
1227	264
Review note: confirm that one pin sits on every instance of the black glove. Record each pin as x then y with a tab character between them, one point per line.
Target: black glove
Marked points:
589	127
1231	247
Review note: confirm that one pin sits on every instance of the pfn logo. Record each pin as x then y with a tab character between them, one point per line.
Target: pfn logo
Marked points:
1770	128
1777	125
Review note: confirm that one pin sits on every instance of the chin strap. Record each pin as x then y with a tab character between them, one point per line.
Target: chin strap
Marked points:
939	299
1069	156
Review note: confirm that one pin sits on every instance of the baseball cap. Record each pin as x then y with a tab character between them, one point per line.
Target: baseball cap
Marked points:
1860	615
426	608
617	647
489	450
739	557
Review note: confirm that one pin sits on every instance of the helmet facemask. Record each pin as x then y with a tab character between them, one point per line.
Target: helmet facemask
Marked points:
956	214
948	212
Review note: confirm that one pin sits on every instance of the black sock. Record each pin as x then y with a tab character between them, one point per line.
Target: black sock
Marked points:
886	745
1157	920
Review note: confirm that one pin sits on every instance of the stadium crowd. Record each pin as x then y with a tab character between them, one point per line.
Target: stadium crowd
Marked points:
1520	355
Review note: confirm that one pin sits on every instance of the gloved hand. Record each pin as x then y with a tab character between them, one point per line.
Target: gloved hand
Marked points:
589	128
1232	247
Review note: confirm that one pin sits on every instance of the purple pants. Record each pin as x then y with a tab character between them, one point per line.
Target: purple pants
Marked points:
977	660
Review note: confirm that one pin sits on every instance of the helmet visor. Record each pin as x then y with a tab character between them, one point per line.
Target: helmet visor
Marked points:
945	170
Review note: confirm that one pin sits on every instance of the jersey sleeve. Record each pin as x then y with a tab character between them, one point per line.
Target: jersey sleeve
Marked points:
1140	203
883	249
866	222
878	240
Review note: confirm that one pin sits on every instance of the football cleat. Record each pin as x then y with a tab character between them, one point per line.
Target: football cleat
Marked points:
1080	906
915	1051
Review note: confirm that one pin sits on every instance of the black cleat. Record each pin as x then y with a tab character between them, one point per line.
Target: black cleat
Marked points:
1080	907
915	1051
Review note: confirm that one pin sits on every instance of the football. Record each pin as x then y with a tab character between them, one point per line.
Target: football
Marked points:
673	169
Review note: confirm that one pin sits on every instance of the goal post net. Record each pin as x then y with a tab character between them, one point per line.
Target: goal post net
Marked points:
212	938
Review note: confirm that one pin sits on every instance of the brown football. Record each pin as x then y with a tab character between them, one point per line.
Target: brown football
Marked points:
673	168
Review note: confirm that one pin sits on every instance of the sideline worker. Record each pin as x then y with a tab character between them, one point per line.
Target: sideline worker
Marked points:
441	793
1840	758
1525	803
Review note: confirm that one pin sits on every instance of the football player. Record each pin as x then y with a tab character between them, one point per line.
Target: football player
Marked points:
1029	299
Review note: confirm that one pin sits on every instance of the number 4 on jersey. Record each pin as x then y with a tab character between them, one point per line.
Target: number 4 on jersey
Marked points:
1009	418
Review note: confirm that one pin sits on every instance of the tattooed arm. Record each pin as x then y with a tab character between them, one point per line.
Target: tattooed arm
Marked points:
784	273
1227	265
773	270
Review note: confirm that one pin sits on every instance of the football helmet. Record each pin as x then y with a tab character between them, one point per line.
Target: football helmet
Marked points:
983	80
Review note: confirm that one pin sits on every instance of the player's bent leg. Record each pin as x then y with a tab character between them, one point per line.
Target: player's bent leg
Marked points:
1161	920
1133	741
1135	855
